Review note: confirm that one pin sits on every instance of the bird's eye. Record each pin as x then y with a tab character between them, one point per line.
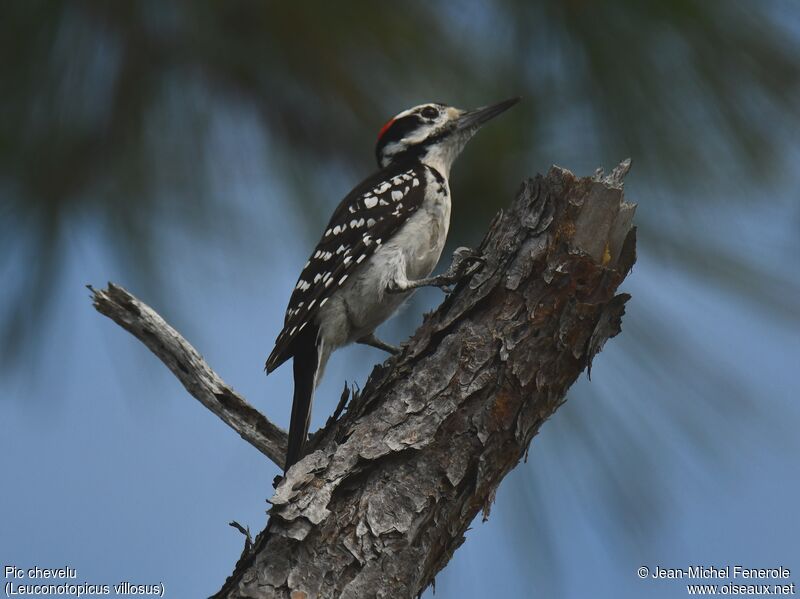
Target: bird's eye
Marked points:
429	112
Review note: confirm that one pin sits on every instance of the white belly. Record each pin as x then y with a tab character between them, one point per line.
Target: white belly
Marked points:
363	302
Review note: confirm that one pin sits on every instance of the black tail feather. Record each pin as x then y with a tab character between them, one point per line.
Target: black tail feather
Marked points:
305	364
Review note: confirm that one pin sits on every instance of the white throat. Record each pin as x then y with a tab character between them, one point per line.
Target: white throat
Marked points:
442	155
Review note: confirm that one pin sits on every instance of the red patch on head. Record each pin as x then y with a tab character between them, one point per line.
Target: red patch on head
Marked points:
385	128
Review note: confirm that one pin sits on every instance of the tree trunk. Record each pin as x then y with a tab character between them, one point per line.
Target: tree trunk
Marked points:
388	489
383	501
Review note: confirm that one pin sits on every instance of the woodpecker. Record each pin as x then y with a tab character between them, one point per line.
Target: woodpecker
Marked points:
382	242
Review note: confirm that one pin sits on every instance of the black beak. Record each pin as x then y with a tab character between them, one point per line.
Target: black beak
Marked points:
474	119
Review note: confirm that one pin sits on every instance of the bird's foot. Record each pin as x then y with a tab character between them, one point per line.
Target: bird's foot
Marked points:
373	341
466	261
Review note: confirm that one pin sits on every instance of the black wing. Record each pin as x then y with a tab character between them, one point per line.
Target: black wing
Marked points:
367	217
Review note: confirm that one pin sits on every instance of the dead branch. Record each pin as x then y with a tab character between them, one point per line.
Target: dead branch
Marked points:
188	365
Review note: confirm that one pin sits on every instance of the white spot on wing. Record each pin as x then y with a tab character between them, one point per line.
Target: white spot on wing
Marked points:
397	195
370	202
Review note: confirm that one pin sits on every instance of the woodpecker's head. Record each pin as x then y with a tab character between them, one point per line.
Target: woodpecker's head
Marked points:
434	134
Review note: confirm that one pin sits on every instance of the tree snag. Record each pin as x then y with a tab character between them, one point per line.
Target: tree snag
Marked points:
387	490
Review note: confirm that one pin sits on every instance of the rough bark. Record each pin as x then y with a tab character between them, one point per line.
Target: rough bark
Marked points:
384	498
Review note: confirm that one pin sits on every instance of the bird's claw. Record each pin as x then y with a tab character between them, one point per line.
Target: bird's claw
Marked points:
465	262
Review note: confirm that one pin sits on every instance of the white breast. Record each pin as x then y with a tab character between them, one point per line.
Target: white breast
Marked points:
422	238
363	303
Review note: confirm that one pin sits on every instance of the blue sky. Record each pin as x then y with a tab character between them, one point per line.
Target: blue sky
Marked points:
682	450
111	468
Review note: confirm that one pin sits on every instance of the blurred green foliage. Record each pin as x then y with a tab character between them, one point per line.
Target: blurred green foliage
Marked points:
106	106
